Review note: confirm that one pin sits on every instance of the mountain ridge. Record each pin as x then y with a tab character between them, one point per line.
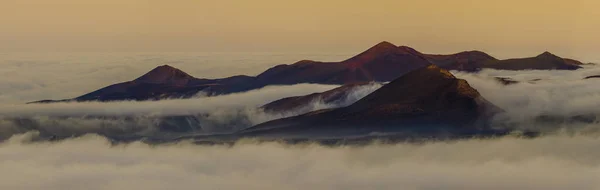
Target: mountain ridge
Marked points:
382	62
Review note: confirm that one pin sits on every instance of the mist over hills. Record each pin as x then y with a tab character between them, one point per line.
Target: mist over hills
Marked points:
381	63
168	104
424	102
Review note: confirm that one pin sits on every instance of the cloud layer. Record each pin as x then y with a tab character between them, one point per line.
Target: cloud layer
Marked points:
220	114
562	161
90	162
560	93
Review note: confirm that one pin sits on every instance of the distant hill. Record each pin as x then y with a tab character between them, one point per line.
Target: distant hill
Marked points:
544	61
469	61
163	82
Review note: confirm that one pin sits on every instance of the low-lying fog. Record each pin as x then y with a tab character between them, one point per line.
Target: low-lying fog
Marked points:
560	161
556	93
90	162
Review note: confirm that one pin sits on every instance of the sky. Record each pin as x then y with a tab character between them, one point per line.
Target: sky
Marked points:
509	28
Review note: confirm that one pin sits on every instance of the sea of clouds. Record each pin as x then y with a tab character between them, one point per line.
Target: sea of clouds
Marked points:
560	94
559	161
555	93
91	162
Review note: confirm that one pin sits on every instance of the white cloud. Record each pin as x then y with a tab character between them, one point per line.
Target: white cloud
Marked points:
90	162
219	114
562	93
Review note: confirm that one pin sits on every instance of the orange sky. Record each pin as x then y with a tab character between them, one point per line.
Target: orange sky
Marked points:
508	28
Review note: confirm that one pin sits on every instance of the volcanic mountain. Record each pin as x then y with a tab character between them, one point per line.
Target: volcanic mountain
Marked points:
544	61
469	61
381	63
427	101
162	82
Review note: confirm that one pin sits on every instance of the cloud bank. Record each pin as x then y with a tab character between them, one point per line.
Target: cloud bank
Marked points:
562	161
202	115
556	93
90	162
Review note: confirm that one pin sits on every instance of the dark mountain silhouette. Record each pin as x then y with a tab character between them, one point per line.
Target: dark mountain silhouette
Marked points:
544	61
334	96
381	63
166	75
162	82
429	101
469	61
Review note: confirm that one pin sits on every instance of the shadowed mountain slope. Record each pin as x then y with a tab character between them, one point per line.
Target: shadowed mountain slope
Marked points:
426	100
334	96
469	61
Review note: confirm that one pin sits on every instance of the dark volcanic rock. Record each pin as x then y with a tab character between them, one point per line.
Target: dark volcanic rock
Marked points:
544	61
427	101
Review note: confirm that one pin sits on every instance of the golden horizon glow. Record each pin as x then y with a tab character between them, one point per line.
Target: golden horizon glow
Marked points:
510	28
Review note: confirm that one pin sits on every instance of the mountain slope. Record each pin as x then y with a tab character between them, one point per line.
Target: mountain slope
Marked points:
333	96
469	61
429	100
382	62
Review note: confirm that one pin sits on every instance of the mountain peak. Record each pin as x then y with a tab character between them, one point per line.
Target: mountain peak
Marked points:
165	74
384	44
416	88
380	48
547	54
427	98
